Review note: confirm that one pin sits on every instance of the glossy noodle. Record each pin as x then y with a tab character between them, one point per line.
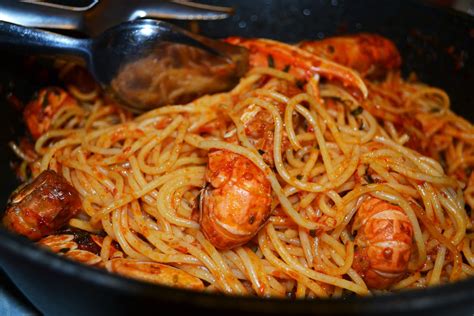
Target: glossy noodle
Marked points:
369	182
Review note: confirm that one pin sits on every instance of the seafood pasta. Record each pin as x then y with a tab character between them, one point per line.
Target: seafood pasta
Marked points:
322	173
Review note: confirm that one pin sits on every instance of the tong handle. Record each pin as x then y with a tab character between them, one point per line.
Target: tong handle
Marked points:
33	15
182	10
29	40
103	14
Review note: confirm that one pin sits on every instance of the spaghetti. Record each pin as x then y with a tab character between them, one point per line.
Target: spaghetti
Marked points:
332	150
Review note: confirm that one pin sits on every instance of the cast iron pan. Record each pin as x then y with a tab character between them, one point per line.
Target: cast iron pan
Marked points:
435	43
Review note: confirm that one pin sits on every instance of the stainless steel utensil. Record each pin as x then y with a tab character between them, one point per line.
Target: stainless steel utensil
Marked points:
101	15
138	61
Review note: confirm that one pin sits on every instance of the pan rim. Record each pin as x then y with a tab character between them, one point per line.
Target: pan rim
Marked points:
404	301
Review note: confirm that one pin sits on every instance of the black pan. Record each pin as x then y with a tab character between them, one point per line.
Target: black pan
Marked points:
437	44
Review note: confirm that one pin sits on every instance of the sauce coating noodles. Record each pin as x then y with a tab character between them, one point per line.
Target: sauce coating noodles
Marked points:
331	152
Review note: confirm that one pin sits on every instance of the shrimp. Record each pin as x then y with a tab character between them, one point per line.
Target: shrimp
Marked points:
300	63
154	272
39	113
85	247
80	246
69	246
384	243
259	129
236	202
370	54
42	207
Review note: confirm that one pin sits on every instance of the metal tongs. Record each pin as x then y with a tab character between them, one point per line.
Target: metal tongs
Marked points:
142	63
99	16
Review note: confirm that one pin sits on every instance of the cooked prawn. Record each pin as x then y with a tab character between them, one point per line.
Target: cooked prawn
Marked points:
42	207
300	63
154	272
236	202
66	245
39	113
370	54
85	248
384	243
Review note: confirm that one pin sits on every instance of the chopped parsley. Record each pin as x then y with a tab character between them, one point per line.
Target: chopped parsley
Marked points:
271	61
357	111
300	84
368	178
468	171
